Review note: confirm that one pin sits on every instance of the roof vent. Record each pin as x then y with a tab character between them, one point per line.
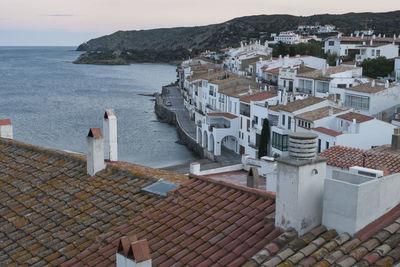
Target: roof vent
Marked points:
302	146
160	188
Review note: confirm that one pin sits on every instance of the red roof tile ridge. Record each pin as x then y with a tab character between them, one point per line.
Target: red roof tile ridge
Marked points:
253	191
5	122
125	244
140	250
94	132
383	221
134	169
46	151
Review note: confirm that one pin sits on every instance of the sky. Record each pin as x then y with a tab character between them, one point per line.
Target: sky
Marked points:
62	22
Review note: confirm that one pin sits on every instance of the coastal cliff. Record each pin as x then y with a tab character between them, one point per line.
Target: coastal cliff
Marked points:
174	44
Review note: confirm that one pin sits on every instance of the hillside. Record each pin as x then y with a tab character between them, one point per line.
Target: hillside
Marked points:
230	33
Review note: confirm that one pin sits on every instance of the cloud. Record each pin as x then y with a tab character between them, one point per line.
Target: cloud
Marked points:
57	15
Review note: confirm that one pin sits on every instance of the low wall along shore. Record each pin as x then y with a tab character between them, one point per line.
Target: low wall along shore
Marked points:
168	116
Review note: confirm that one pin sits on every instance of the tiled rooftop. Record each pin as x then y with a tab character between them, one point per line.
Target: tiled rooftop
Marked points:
368	88
258	97
375	245
298	104
201	223
51	210
317	74
346	157
318	114
327	131
360	118
222	114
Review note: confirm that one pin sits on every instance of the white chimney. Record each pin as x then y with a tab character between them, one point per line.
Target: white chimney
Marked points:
6	129
351	35
300	185
362	36
95	151
133	253
195	168
110	135
371	42
324	67
373	83
280	97
387	84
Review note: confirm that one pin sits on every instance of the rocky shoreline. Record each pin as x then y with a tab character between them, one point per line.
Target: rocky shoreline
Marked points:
100	59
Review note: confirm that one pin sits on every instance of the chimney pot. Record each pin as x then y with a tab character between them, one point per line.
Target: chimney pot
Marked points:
253	178
195	168
6	129
396	139
133	252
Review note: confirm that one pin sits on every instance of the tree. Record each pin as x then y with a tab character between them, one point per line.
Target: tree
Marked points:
264	139
378	67
331	59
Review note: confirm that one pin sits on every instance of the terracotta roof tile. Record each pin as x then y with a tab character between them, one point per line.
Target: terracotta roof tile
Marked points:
321	248
346	157
5	122
258	97
298	104
327	131
360	118
56	211
222	114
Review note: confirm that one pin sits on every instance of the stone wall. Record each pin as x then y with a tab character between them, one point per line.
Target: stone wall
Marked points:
168	116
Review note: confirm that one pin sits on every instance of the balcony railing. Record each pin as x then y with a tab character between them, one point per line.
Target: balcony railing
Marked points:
253	145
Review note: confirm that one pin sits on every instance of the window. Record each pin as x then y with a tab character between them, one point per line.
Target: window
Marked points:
248	138
241	122
357	102
255	119
342	85
248	125
378	53
289	122
373	52
322	87
305	86
331	43
211	92
279	141
283	120
319	145
327	144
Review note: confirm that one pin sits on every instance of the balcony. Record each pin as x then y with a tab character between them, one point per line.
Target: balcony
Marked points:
253	145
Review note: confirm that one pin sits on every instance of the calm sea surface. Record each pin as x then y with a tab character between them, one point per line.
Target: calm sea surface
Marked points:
53	103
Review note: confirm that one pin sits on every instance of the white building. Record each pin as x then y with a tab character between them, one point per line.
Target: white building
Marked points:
238	60
397	68
353	130
323	82
372	50
346	45
287	38
269	69
372	98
